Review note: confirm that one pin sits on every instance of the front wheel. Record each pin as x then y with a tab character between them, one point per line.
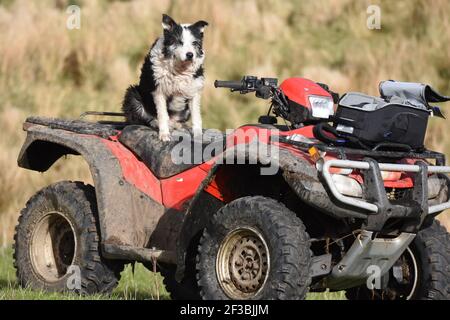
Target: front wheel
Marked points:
421	273
254	248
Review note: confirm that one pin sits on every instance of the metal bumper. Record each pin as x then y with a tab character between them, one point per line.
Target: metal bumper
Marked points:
421	170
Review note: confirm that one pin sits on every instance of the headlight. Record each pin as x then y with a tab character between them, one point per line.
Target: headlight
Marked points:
347	186
434	186
322	107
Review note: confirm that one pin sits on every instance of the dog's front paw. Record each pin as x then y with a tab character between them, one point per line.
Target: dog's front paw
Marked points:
164	136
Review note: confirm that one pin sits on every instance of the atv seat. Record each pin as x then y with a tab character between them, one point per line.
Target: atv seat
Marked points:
166	159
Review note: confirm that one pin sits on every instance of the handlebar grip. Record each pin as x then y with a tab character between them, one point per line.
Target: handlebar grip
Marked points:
237	85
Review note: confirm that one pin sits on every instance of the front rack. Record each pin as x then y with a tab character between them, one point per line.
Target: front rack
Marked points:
343	152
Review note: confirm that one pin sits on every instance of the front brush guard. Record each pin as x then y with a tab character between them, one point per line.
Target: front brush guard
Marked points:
375	200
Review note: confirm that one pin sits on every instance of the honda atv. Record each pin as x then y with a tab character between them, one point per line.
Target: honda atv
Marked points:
325	205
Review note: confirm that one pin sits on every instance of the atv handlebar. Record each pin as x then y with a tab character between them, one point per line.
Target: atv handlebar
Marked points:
234	85
263	87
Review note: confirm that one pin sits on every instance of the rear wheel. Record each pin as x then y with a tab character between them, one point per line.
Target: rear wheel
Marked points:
57	242
254	248
422	272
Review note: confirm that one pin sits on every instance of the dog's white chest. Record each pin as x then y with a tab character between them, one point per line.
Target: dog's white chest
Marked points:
177	85
170	80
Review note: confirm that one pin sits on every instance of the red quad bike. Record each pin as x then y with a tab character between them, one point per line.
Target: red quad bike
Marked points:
339	214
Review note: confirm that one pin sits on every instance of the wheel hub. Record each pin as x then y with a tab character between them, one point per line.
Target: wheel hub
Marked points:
53	246
242	263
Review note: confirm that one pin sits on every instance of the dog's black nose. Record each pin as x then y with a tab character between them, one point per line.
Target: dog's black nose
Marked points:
189	55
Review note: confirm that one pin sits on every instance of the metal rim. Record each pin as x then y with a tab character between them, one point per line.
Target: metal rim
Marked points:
415	272
403	284
243	263
53	246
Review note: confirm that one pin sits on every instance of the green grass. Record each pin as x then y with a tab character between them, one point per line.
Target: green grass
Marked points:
326	296
140	285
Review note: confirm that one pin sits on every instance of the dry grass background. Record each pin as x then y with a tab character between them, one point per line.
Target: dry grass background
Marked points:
49	70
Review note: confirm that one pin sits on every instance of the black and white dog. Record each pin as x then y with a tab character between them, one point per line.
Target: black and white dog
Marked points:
171	80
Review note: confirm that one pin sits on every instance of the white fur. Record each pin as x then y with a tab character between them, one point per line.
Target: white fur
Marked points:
174	77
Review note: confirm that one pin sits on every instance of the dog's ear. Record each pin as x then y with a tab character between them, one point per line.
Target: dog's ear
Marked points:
168	23
200	25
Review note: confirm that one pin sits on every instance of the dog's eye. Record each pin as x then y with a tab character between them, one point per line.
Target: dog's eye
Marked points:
180	42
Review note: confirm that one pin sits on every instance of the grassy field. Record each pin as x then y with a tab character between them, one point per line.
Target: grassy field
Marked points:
142	284
46	69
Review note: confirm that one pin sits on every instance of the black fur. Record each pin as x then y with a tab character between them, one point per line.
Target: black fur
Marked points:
199	73
172	37
196	30
138	97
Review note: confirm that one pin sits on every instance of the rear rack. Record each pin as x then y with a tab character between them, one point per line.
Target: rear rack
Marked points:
104	113
343	152
101	113
102	129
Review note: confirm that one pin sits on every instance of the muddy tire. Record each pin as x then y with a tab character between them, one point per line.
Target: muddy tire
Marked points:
57	239
254	248
425	270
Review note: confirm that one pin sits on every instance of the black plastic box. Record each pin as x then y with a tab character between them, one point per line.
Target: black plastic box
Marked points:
373	120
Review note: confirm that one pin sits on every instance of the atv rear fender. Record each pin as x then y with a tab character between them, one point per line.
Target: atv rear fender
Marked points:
120	205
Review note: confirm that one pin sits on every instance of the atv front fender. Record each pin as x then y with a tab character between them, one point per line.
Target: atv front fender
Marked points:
120	204
303	178
300	174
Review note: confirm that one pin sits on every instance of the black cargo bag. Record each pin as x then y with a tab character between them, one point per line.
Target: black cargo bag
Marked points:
398	118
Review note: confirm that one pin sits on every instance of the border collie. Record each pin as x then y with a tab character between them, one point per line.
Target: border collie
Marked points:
171	80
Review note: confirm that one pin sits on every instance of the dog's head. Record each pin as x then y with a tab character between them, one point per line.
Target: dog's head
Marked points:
183	42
